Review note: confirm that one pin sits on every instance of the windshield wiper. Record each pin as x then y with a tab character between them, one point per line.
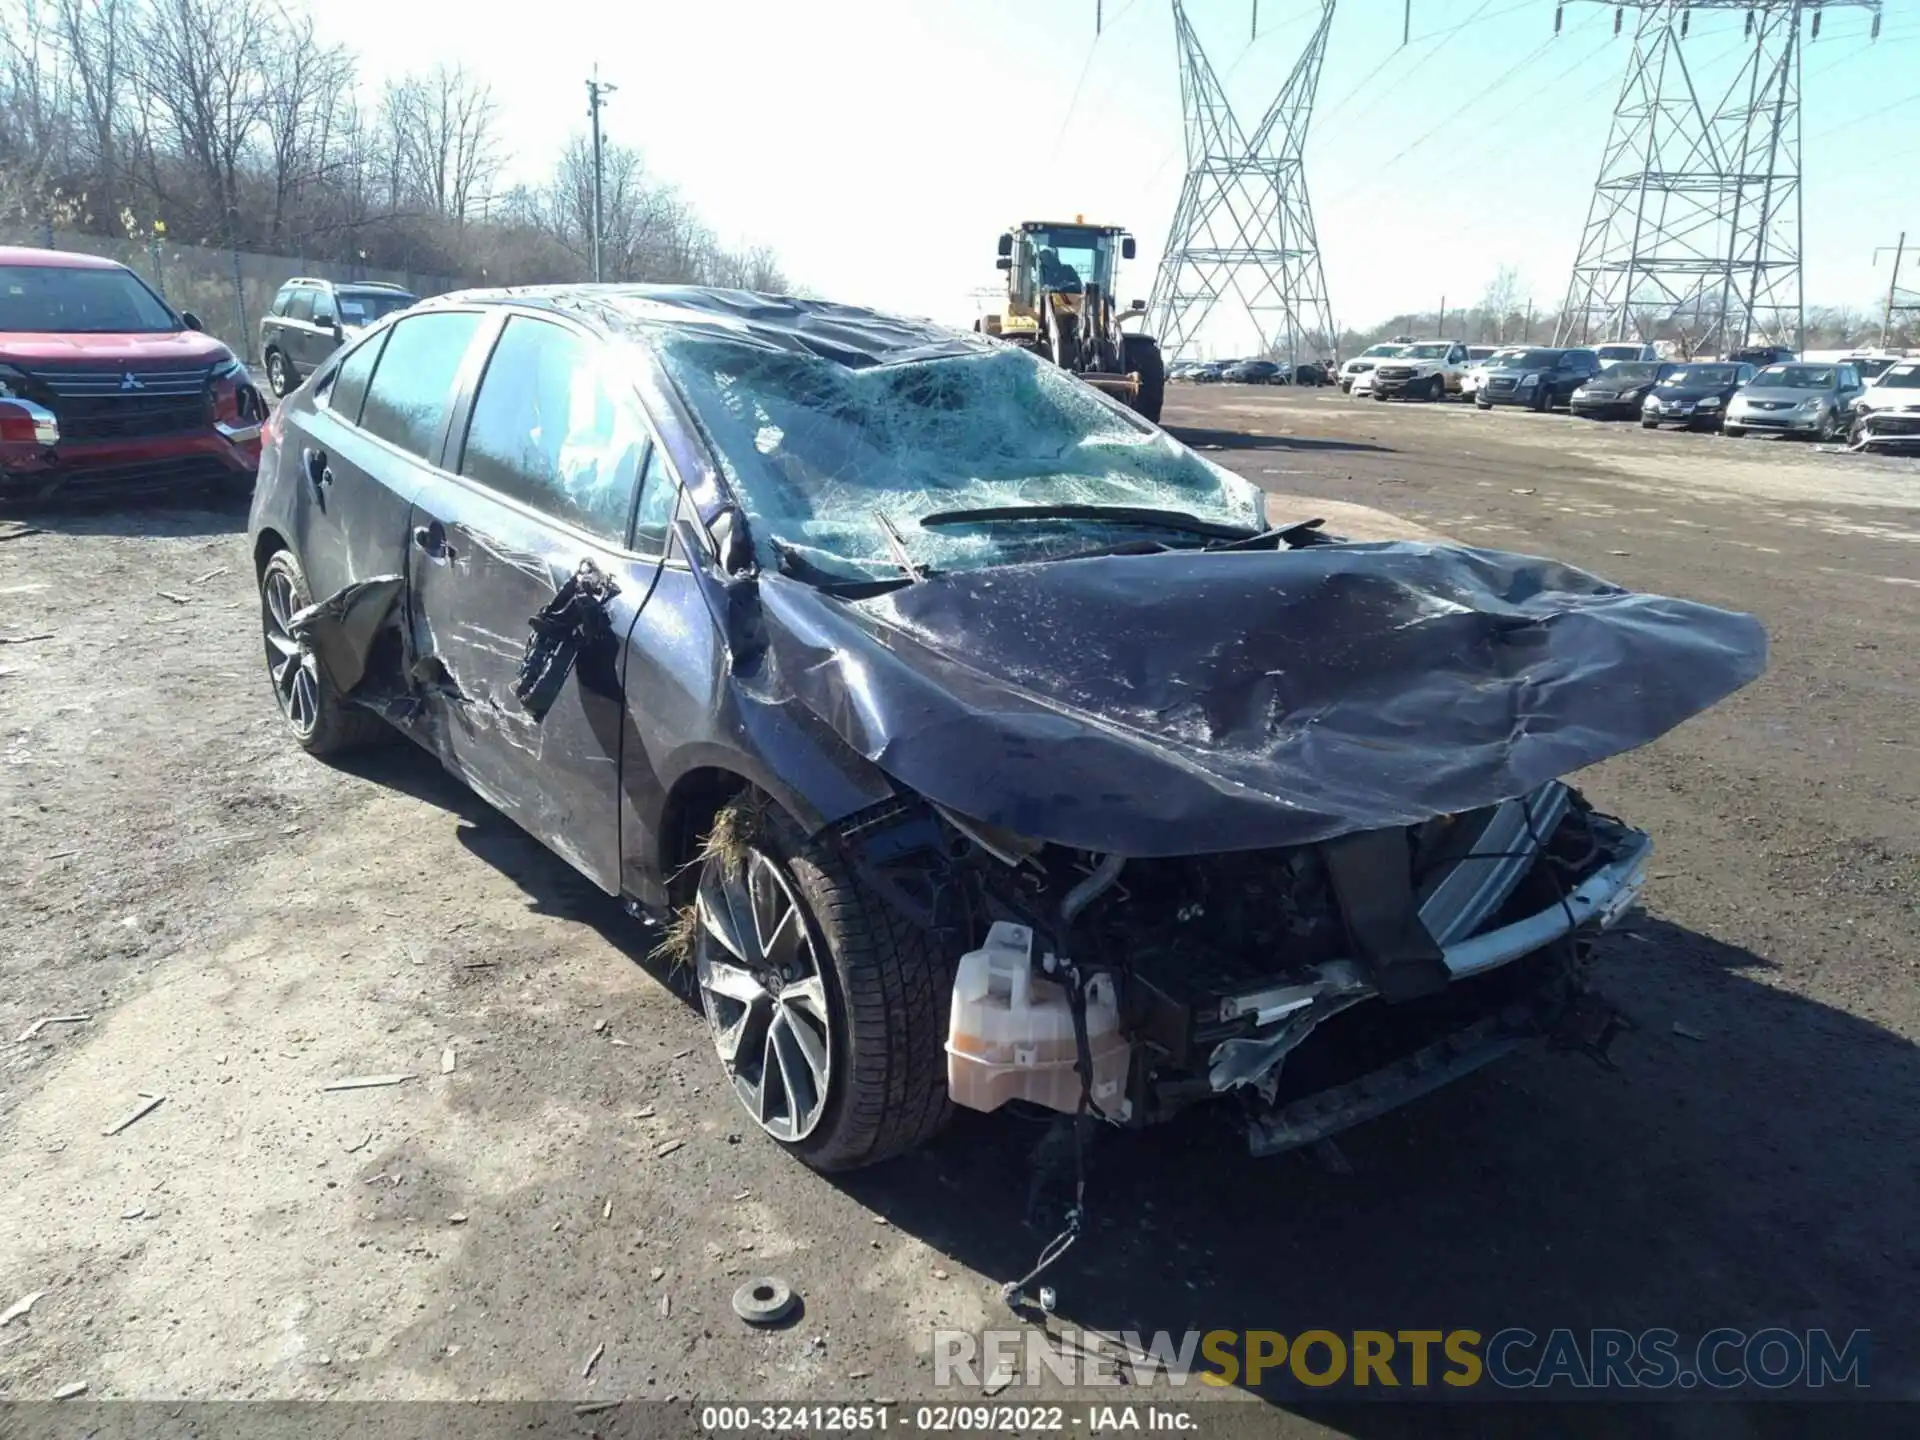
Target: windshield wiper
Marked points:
1114	514
1295	536
897	546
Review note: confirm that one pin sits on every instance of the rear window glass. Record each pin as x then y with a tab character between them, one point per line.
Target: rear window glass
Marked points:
408	398
363	307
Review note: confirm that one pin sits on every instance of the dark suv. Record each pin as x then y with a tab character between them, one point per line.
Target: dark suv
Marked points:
310	319
1538	379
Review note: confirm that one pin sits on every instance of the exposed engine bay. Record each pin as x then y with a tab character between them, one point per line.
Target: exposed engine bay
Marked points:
1313	986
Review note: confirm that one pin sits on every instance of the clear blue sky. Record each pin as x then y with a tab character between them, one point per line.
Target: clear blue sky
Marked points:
881	145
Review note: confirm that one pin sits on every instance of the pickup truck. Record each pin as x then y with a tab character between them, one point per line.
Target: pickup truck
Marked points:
1424	370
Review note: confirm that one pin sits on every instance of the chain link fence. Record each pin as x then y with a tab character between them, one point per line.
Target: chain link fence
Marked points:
228	290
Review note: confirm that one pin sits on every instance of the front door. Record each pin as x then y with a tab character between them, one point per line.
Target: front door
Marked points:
544	482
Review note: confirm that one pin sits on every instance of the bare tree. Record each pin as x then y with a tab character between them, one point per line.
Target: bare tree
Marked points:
1500	302
303	106
444	129
207	62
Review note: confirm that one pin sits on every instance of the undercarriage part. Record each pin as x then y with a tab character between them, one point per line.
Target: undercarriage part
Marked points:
1330	1111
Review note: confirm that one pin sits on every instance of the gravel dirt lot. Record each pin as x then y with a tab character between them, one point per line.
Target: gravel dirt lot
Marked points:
564	1171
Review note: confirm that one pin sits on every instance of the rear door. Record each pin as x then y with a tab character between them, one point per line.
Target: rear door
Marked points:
366	444
541	476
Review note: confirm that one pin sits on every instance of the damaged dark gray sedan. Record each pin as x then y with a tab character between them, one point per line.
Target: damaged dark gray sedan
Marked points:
978	742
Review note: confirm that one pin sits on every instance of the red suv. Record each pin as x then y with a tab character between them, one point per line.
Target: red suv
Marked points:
103	385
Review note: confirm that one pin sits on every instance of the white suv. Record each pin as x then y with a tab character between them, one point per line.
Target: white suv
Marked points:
1424	370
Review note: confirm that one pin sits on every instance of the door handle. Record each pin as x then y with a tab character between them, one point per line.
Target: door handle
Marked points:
432	541
319	472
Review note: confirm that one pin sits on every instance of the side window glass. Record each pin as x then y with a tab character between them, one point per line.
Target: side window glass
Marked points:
347	387
551	428
300	305
323	312
408	398
279	306
659	493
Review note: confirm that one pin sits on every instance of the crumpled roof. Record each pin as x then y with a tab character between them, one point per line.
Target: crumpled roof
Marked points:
846	334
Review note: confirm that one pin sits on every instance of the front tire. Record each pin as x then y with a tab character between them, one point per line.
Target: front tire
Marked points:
1437	391
1649	424
1141	355
828	1010
1732	432
321	720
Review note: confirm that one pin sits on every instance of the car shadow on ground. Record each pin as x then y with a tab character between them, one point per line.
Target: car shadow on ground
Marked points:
189	513
1743	1164
1210	439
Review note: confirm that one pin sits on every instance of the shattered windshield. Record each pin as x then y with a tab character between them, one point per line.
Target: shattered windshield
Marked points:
825	456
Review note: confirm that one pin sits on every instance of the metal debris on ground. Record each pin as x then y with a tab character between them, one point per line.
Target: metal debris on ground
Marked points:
586	1370
859	1374
998	1380
623	1044
176	599
446	1061
658	1274
1687	1032
458	1217
766	1300
606	1211
19	1307
133	1212
45	1020
1619	552
1524	492
594	1407
666	1306
25	639
360	1145
207	575
599	1026
742	1195
645	1112
150	1103
938	1273
682	1054
667	1149
68	1391
366	1082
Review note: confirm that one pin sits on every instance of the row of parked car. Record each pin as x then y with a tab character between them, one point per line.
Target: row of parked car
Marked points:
1870	400
1252	372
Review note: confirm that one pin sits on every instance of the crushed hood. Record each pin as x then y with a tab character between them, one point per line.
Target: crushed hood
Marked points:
1187	702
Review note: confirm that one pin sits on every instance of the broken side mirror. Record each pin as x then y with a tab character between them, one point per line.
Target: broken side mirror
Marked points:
1126	247
1006	248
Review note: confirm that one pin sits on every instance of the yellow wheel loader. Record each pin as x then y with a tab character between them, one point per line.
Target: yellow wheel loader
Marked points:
1060	305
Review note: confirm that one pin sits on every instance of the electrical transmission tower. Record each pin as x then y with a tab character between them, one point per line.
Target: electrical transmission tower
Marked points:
1243	230
1695	226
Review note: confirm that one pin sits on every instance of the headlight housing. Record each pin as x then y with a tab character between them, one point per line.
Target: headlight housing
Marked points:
1811	405
1709	402
12	383
1529	380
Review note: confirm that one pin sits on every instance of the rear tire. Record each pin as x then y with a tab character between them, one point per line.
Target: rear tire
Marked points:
278	380
1649	424
1480	404
886	987
322	721
1141	354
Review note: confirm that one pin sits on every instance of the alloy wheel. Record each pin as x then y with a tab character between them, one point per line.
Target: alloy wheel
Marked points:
277	374
296	677
763	992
